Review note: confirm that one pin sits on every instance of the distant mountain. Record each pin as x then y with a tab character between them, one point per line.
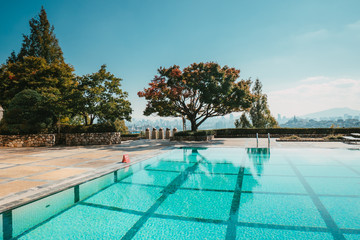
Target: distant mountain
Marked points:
333	112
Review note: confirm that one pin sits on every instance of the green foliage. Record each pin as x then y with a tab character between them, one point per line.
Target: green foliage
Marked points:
195	133
27	113
39	66
120	126
131	135
41	42
243	122
334	137
94	128
99	95
292	137
52	81
238	132
259	112
200	91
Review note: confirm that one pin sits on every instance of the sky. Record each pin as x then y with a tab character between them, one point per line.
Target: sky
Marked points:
306	53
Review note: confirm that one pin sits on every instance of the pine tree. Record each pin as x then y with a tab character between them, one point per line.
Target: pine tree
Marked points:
39	66
41	42
243	122
259	112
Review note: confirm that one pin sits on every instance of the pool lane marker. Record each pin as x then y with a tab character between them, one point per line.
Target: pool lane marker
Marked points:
329	221
7	225
171	188
235	205
76	193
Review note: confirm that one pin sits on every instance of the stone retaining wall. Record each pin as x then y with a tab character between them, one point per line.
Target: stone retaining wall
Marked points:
69	139
30	140
108	138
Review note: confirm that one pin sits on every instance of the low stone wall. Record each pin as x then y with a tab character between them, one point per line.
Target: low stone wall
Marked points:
81	139
30	140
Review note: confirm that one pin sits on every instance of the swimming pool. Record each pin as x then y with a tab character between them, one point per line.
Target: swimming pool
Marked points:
214	193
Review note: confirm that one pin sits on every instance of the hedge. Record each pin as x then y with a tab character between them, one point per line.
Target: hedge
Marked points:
195	133
293	131
131	135
94	128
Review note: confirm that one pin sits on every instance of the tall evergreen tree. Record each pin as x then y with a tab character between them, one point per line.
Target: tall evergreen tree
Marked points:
243	122
39	66
41	42
259	112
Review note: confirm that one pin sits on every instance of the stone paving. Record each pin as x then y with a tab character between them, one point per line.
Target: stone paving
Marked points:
27	173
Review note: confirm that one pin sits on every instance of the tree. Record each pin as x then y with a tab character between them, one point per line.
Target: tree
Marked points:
99	96
41	42
39	66
200	91
53	81
120	126
243	122
27	113
259	112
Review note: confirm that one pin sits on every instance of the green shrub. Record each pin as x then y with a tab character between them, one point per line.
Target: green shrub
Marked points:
334	137
131	135
94	128
27	114
195	133
292	137
233	132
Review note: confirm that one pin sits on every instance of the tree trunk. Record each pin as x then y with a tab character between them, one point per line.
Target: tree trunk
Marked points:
194	126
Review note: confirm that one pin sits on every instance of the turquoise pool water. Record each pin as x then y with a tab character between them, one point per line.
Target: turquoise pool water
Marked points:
221	193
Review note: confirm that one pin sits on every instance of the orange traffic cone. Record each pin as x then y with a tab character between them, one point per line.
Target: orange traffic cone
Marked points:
126	158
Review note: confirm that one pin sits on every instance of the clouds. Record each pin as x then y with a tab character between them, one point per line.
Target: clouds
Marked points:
354	26
315	79
316	94
317	35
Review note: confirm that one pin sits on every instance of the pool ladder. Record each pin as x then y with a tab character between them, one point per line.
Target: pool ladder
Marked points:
257	140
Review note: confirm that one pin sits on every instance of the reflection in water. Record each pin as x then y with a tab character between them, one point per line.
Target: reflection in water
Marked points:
257	157
217	173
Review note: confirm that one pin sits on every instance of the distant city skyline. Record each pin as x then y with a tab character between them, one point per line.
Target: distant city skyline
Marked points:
305	53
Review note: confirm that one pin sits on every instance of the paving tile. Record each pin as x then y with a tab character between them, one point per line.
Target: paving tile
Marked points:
22	160
63	162
4	165
17	186
22	171
97	163
91	155
60	174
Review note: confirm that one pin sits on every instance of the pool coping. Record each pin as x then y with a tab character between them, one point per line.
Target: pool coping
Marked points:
43	191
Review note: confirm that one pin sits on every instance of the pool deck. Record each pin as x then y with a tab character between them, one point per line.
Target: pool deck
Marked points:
30	173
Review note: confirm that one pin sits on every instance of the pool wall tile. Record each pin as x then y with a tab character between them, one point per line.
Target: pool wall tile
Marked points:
1	227
30	215
89	188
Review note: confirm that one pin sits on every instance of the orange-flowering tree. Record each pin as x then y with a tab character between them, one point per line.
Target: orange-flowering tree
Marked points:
198	92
